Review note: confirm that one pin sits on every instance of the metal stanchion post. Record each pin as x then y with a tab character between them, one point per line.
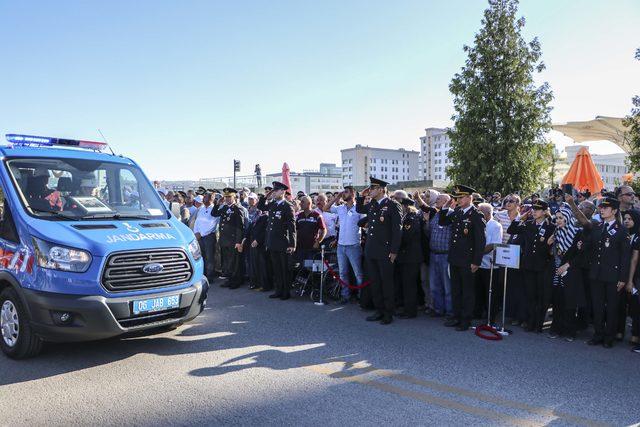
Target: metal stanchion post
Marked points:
322	273
490	292
502	330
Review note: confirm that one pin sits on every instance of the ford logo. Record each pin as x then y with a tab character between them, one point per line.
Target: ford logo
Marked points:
153	268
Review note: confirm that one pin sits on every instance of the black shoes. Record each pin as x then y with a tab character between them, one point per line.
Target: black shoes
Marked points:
595	341
406	316
451	323
285	297
274	296
462	327
386	320
375	317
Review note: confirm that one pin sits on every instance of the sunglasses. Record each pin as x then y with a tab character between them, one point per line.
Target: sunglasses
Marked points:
628	194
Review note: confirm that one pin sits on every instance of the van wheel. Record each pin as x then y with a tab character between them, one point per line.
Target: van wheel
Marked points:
17	338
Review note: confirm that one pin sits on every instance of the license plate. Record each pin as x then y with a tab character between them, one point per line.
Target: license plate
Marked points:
156	304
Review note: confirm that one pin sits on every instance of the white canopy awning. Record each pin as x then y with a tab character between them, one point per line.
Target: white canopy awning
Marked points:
600	129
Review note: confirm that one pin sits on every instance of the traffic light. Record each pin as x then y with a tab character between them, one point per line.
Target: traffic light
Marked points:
236	165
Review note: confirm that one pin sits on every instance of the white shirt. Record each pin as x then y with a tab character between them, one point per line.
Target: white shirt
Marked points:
348	219
205	223
330	220
493	234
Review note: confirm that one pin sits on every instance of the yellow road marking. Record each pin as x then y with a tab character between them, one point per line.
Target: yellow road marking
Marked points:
356	372
427	398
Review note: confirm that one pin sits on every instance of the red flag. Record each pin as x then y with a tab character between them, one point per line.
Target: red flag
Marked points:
286	178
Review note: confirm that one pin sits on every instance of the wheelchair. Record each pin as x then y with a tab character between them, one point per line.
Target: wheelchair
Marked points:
309	275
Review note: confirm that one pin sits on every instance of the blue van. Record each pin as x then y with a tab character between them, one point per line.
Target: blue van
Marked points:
88	249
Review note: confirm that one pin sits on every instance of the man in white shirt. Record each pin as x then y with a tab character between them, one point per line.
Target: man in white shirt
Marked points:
349	250
330	218
205	227
493	235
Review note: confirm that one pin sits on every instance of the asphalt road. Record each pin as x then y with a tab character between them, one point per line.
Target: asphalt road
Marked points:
249	360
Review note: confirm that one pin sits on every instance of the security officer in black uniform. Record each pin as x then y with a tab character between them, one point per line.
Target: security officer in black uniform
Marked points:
410	257
384	234
231	237
465	252
610	261
535	261
280	237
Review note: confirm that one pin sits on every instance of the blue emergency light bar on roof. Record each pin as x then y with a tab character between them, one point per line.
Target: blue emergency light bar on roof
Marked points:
44	141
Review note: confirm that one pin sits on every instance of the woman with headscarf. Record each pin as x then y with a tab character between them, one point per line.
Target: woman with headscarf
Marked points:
629	300
567	292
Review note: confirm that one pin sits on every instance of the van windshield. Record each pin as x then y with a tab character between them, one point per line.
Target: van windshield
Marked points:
79	189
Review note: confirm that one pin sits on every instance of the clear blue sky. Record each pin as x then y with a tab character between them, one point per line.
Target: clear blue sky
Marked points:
184	87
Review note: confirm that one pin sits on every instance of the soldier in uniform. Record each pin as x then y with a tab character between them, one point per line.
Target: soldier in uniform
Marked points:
610	261
465	252
410	256
536	260
280	238
384	234
231	237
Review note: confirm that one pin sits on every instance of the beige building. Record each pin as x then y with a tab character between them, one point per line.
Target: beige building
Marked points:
362	162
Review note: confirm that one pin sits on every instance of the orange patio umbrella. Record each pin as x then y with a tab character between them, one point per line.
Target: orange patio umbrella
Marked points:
583	173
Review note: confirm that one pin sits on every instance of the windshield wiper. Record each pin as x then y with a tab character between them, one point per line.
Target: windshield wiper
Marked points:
115	216
56	214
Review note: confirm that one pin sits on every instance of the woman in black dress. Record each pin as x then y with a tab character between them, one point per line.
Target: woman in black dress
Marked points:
567	292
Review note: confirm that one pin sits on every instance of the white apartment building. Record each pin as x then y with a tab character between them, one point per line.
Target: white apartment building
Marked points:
434	156
610	166
362	162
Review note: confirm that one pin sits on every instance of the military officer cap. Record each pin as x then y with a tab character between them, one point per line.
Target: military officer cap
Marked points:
268	188
300	194
313	194
407	202
212	190
478	200
182	193
229	191
279	186
462	191
535	195
375	182
540	204
610	202
201	191
349	187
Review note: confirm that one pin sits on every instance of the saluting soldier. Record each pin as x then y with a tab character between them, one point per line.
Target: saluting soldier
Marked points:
466	249
384	234
410	256
536	260
280	237
609	271
231	237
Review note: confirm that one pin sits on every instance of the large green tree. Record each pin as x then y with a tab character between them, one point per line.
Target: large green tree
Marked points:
501	114
633	122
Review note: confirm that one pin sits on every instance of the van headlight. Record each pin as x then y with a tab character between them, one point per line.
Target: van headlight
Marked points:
56	257
194	248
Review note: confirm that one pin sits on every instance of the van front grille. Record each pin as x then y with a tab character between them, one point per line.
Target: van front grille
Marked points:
125	271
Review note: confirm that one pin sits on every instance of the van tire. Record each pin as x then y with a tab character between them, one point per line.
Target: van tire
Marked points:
28	343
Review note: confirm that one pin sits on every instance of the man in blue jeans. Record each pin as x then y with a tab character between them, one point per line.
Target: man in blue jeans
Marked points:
439	237
349	249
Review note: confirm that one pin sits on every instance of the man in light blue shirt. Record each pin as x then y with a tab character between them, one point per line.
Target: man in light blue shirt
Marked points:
349	250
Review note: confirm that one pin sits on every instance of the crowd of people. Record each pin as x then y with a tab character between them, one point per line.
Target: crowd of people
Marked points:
400	254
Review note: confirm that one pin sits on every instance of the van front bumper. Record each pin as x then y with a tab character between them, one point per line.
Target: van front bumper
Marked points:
97	317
